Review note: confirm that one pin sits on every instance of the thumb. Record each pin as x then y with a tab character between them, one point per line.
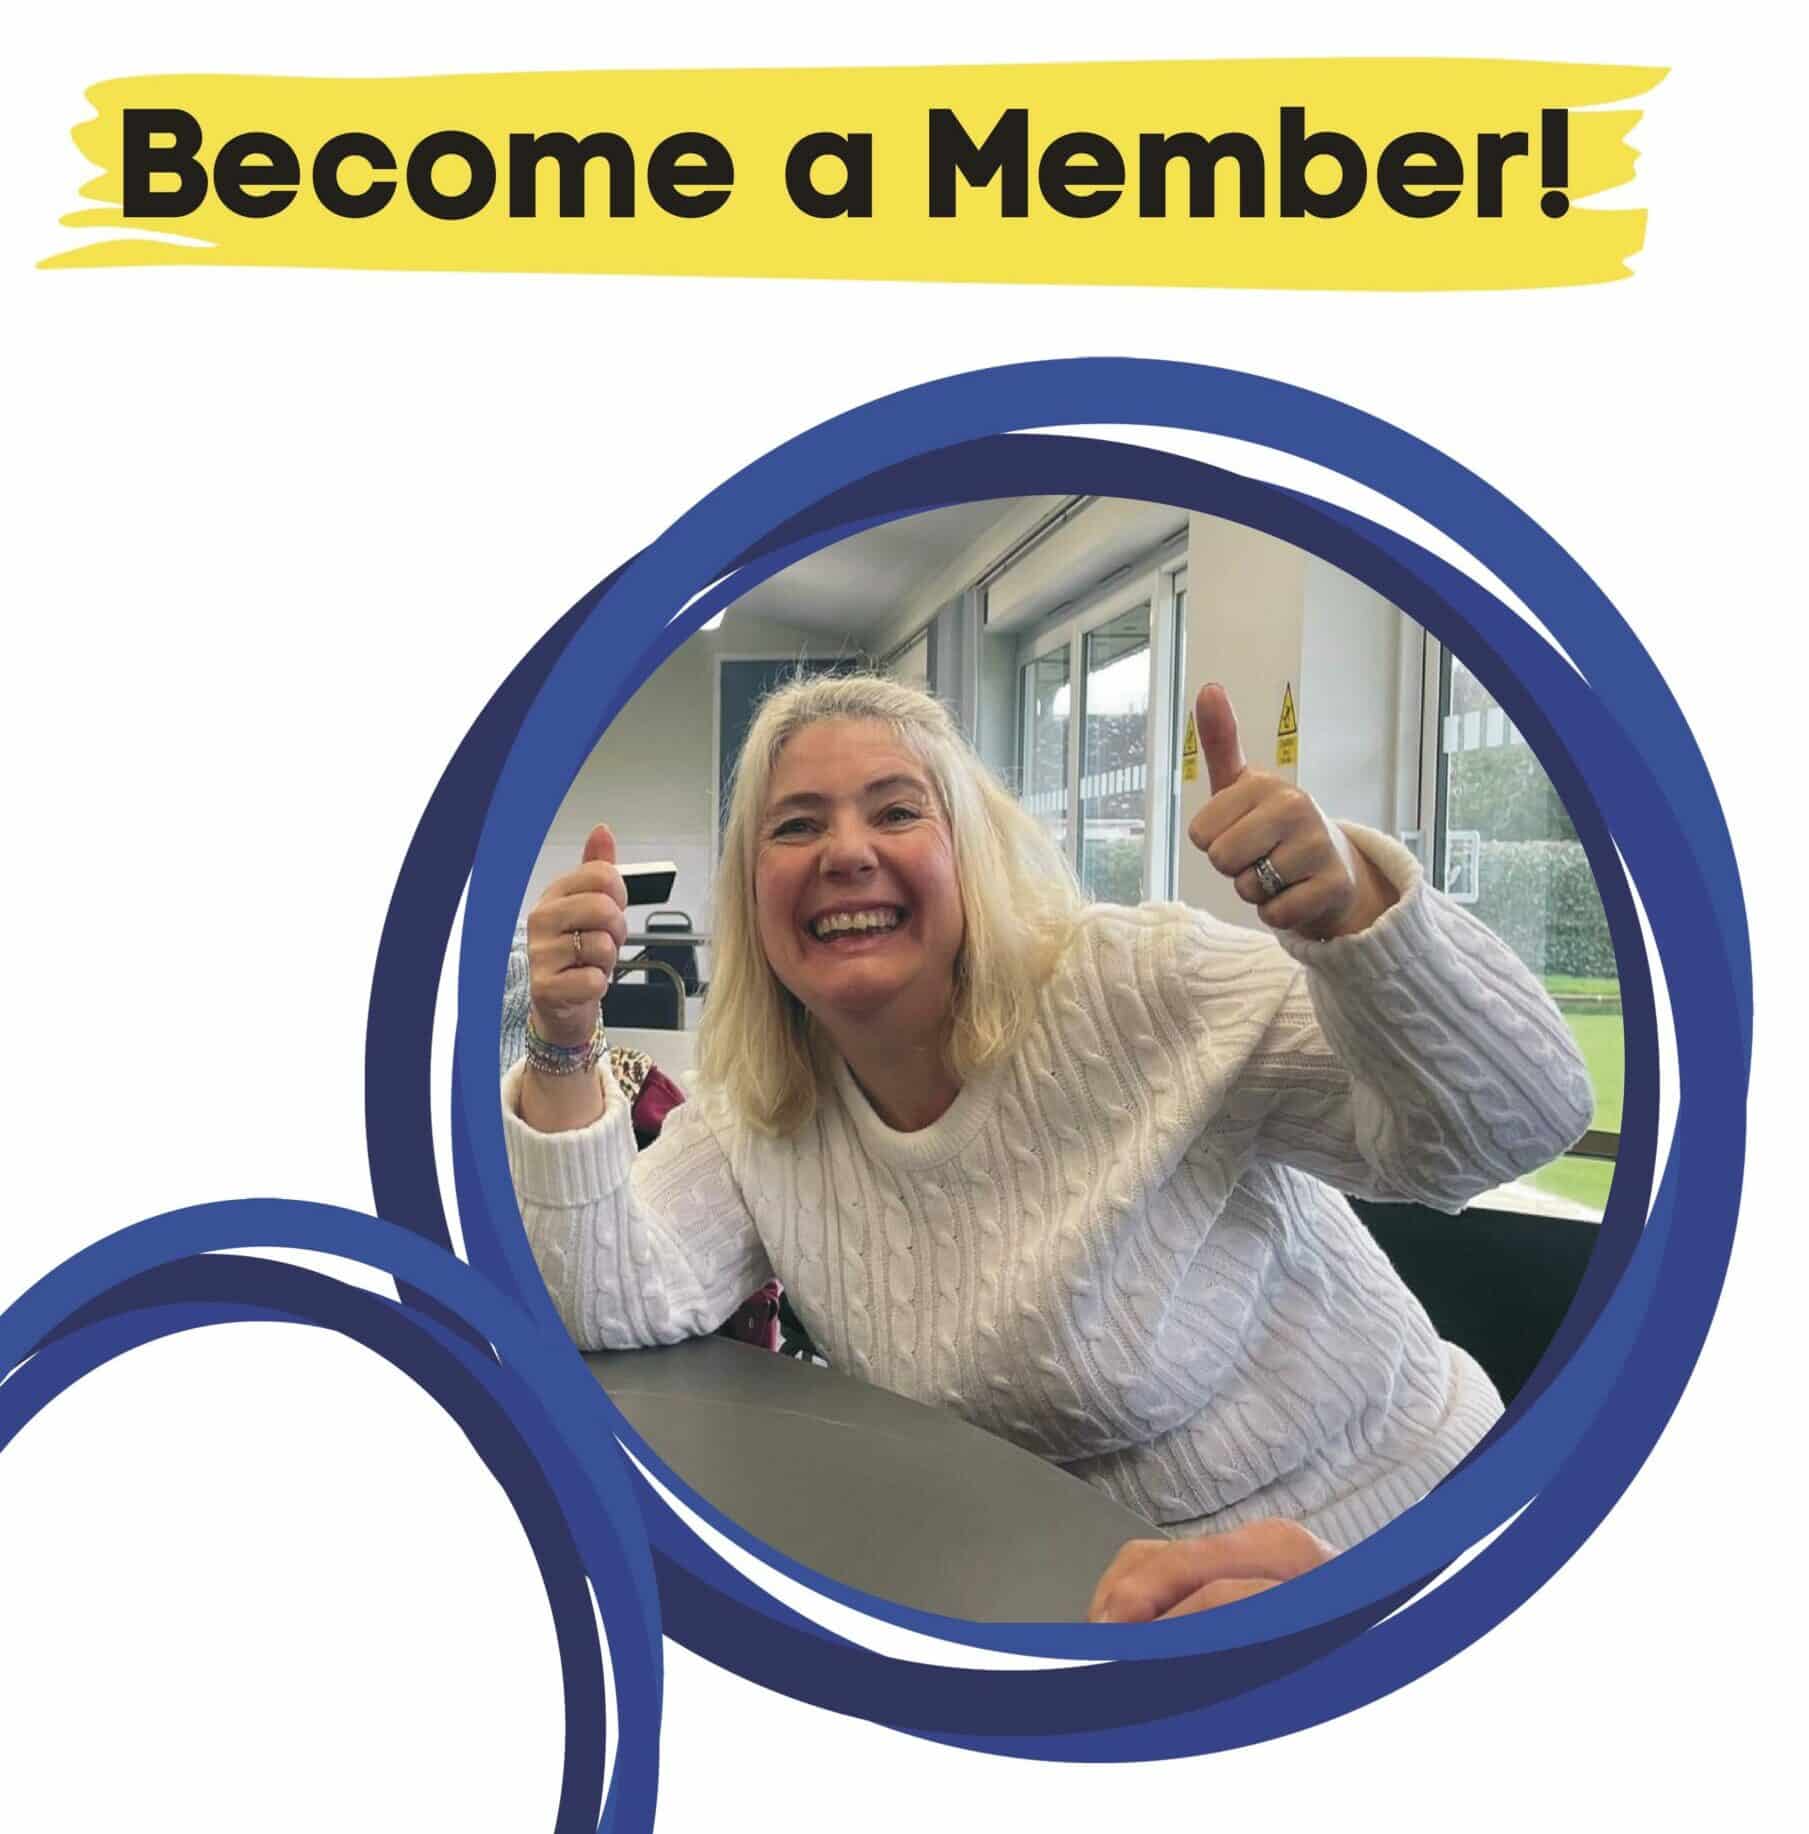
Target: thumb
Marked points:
1216	723
600	846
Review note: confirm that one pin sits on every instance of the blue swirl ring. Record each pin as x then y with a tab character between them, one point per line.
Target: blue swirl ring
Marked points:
1616	746
516	1405
484	1339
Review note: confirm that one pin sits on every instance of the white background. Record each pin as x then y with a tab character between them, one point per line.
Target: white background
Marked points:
273	539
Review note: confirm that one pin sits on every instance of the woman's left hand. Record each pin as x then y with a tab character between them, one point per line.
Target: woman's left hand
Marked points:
1272	840
1161	1579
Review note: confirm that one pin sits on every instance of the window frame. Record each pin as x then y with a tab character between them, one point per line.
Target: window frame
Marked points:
1156	579
1598	1143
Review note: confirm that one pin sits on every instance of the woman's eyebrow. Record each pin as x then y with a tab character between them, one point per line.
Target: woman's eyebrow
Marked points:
815	799
799	799
899	780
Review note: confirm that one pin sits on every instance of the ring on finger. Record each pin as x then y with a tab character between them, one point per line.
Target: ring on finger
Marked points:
1272	883
577	937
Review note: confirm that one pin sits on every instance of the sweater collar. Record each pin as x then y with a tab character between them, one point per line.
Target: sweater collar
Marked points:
929	1146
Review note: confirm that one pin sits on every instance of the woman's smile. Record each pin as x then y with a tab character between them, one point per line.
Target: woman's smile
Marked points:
849	926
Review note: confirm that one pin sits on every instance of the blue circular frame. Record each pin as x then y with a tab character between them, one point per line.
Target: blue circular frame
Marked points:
485	1341
506	1385
1614	742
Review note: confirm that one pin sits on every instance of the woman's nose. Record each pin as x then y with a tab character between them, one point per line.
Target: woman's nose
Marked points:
848	849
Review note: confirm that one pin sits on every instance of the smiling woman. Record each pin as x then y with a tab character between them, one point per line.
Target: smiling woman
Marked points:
856	799
857	909
1069	1169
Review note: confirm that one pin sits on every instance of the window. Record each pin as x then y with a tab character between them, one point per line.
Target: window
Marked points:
1114	761
1043	769
1098	732
1503	844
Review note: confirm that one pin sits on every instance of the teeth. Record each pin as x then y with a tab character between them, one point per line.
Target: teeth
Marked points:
841	923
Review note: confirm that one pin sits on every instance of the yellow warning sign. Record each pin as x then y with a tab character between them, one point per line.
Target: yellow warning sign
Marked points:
1287	729
1190	753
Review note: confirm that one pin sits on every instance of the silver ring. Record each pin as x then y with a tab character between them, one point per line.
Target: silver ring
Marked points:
1268	878
577	937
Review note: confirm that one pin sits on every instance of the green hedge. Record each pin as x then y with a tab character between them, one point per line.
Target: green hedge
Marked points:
1115	870
1540	898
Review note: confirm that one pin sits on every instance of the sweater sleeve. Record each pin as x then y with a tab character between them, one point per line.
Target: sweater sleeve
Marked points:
635	1248
1417	1060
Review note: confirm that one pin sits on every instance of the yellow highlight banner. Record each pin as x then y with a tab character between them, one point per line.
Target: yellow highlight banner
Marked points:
1406	174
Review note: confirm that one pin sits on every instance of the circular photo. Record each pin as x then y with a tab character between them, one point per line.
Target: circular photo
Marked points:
1062	1061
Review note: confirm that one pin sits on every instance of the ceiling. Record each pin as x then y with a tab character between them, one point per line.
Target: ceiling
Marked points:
857	587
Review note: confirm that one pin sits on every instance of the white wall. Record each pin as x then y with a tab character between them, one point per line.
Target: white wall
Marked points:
651	774
1348	696
1246	597
1264	617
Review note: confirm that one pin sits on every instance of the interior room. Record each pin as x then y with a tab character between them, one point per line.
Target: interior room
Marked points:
1069	636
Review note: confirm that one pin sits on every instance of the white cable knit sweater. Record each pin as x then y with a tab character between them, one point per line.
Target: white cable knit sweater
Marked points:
1124	1249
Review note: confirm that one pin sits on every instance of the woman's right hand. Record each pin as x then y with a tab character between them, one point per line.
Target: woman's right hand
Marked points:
574	935
1164	1579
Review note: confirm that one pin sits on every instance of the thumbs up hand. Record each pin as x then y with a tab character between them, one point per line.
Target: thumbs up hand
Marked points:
1274	843
574	934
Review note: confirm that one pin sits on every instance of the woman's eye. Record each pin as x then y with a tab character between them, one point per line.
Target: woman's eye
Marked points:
898	815
794	826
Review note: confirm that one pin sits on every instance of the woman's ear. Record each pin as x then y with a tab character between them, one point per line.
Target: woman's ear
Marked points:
959	972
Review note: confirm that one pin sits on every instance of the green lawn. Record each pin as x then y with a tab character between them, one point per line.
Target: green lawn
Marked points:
1599	1038
1583	1181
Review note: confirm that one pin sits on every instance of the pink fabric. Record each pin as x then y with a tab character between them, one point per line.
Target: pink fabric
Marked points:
658	1097
756	1320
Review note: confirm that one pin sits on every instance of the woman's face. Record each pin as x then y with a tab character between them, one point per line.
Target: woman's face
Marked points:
855	894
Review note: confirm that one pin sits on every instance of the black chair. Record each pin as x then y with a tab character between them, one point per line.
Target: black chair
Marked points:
680	957
656	1004
1496	1282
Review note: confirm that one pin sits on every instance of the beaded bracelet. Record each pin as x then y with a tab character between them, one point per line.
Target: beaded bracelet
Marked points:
564	1059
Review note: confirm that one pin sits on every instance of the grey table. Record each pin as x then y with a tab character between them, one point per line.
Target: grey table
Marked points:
904	1501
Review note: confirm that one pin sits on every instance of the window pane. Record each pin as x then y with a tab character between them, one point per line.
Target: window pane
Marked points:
1114	756
1511	853
1045	768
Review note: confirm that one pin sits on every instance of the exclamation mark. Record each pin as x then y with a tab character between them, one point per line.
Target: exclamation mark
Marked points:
1554	159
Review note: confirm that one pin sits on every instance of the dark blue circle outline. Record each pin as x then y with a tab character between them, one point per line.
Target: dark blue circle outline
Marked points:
1333	439
515	1406
216	1289
1069	459
1309	526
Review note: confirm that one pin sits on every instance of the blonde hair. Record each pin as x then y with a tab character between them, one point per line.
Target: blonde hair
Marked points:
757	1042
